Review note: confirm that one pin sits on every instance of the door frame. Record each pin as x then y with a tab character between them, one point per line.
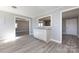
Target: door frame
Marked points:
27	19
69	9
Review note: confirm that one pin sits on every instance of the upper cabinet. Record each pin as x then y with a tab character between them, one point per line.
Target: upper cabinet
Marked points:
45	21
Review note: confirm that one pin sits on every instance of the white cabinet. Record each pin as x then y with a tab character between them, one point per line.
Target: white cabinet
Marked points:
42	34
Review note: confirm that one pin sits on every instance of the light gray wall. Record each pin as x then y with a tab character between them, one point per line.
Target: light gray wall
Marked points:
34	24
56	23
57	26
7	26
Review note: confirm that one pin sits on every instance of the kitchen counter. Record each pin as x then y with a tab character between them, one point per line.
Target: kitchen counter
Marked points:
42	33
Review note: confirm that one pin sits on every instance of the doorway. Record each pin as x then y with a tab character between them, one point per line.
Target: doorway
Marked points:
22	27
70	28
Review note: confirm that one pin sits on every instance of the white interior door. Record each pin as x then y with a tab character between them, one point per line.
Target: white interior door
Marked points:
71	26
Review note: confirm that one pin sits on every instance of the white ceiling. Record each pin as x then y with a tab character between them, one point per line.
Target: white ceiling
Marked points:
31	11
71	13
34	11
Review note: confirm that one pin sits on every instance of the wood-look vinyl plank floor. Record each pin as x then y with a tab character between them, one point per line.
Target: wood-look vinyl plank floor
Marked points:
29	44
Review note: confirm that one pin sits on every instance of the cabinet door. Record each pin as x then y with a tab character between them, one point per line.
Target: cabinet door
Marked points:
35	33
42	35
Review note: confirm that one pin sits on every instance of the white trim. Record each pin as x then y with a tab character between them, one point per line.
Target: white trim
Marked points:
56	41
61	27
70	9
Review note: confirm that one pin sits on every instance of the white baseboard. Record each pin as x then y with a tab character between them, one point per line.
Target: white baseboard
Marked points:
56	41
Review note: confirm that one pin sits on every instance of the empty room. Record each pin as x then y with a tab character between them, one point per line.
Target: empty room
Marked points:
39	29
70	29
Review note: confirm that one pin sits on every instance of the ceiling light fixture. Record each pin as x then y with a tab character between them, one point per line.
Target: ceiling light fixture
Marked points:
14	7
